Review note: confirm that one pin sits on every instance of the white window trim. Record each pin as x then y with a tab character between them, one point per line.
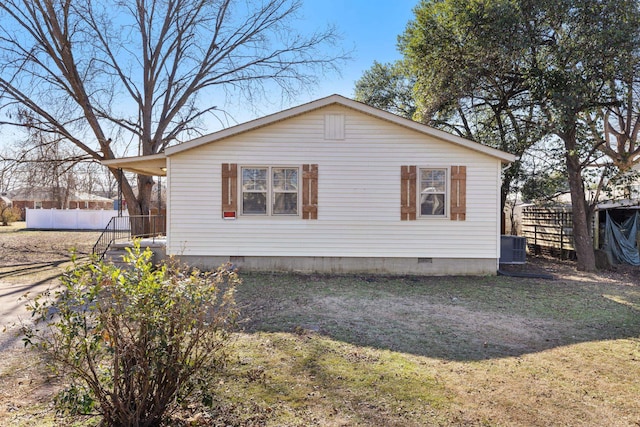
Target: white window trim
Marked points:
447	192
269	213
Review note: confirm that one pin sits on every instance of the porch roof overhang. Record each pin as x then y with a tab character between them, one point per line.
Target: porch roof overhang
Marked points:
153	165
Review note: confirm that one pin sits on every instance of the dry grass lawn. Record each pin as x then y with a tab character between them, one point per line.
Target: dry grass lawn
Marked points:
389	351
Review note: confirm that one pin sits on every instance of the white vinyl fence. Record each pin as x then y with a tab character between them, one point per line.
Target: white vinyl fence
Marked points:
69	219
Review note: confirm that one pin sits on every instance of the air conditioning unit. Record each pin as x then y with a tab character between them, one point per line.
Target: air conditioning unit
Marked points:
513	250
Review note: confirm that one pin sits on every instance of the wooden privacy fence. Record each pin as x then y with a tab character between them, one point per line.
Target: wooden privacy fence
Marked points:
549	230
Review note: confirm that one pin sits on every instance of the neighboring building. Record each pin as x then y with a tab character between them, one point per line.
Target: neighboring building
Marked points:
332	186
56	198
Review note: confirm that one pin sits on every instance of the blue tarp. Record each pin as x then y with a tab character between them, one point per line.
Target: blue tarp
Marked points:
620	240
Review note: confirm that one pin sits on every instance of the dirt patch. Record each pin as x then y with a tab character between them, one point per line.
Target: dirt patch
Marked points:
446	323
25	247
31	262
567	271
455	318
24	383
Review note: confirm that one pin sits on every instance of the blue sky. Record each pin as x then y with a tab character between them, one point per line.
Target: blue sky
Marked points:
369	28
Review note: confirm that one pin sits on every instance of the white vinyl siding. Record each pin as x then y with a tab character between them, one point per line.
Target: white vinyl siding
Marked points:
358	194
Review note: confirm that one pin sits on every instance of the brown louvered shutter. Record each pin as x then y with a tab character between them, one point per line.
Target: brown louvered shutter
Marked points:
309	191
408	195
229	190
458	193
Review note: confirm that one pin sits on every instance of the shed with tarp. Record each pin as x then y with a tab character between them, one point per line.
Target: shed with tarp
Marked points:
618	231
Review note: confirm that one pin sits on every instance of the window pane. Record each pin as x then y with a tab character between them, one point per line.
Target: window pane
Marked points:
432	180
285	179
254	203
285	203
432	204
254	179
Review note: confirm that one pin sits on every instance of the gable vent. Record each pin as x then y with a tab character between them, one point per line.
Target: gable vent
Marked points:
334	126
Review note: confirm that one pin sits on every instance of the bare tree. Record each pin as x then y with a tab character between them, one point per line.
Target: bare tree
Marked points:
616	128
48	162
106	74
92	177
7	175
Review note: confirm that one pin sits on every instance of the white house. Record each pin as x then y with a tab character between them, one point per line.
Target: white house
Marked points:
332	186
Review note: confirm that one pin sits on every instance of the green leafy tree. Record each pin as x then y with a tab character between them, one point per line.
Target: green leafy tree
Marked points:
581	47
465	79
543	187
387	86
508	72
135	342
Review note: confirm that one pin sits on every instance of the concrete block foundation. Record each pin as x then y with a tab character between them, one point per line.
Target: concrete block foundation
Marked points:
350	265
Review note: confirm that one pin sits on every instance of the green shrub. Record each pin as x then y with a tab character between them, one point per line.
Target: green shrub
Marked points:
135	342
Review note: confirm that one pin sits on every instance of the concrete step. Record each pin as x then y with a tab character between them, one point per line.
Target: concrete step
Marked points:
114	256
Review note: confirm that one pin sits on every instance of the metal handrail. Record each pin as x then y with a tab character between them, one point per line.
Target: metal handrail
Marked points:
127	228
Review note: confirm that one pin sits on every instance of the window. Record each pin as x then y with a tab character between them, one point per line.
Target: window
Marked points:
433	192
285	191
269	191
254	191
442	191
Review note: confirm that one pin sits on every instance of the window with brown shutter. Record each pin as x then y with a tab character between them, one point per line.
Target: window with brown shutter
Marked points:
269	191
458	193
408	193
430	185
229	190
310	192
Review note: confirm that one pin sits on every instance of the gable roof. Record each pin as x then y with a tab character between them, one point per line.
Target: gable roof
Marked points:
156	164
346	102
48	193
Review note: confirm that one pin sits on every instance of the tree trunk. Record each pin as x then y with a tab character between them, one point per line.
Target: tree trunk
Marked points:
142	227
508	177
583	242
137	206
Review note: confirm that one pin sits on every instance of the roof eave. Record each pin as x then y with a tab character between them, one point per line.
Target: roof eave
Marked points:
152	165
340	100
